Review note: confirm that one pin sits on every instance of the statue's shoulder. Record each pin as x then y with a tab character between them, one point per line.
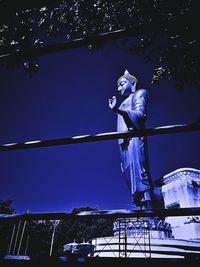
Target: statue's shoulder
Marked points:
141	92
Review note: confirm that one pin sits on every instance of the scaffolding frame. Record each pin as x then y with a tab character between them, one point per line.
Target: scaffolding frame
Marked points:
140	229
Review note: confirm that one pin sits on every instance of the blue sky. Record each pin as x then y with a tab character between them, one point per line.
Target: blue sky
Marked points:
68	97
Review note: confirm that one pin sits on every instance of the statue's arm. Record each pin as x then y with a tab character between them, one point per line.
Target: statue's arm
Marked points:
114	107
137	113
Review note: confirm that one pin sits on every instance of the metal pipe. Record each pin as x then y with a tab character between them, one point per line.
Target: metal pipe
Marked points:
11	240
123	213
101	137
22	234
26	248
18	229
52	238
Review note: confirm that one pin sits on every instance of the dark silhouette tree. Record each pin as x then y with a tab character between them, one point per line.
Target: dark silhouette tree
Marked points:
5	228
165	32
40	233
81	230
6	207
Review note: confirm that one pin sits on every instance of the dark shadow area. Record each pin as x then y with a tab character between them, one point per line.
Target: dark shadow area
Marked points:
84	261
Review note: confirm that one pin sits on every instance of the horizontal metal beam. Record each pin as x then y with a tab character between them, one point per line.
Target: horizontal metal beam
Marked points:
109	214
78	42
101	137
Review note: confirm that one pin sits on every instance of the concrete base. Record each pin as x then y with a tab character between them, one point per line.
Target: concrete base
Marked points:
139	247
189	231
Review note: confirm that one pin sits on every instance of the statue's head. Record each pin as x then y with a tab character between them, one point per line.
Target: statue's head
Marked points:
127	83
132	79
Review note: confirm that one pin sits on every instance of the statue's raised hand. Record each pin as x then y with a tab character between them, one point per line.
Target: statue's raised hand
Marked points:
113	103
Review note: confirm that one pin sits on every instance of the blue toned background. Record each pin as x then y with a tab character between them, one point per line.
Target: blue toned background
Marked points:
68	97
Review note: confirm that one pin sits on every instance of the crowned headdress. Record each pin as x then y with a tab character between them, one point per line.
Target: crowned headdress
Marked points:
132	79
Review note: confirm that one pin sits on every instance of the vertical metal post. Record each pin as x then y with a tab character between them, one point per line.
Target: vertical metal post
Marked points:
22	234
125	238
119	238
149	239
53	235
122	238
11	240
18	229
27	241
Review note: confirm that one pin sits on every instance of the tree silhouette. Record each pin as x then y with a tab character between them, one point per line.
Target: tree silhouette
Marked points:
5	229
81	230
163	31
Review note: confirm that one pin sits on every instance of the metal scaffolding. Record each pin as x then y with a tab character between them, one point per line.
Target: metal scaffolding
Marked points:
134	237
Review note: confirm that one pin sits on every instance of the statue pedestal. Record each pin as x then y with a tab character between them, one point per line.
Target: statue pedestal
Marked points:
172	237
181	188
144	238
145	227
187	231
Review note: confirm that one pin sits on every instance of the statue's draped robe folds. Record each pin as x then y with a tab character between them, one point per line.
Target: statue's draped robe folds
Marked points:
133	151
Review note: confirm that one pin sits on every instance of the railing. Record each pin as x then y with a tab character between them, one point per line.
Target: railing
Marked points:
123	213
101	137
108	214
96	138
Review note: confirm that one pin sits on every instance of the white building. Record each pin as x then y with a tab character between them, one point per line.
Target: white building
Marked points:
180	188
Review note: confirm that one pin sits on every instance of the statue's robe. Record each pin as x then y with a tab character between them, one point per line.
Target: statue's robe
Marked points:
133	151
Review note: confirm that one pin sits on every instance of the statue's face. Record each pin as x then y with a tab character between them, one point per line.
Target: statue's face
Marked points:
125	88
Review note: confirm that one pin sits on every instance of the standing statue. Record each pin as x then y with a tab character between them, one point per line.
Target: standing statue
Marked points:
132	114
